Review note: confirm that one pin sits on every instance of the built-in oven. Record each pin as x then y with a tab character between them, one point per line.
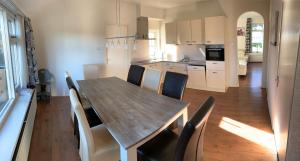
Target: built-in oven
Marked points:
215	52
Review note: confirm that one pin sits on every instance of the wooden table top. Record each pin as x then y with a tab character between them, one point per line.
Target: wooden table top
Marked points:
129	112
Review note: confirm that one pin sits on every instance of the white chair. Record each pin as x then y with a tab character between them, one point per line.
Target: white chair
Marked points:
95	143
152	80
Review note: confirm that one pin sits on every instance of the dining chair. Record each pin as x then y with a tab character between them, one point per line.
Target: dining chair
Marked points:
152	79
93	118
174	85
188	146
96	143
135	74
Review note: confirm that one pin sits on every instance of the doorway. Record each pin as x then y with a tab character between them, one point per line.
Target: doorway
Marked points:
250	49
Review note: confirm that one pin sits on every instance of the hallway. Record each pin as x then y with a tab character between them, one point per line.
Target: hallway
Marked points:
253	77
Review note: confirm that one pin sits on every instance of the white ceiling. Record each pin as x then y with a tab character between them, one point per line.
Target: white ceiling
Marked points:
164	3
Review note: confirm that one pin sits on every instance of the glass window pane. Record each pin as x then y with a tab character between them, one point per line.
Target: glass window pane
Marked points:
257	38
14	50
3	80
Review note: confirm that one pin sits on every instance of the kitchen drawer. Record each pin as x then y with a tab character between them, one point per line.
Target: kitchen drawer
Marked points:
176	69
154	65
215	80
190	67
215	65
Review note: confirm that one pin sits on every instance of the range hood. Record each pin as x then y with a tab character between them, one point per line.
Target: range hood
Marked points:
142	28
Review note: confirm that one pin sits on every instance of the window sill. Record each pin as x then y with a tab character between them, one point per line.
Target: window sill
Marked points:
12	123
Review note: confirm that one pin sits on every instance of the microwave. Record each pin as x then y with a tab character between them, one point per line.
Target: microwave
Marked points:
215	53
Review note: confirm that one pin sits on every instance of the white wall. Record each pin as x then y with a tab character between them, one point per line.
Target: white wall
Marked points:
283	96
70	33
232	9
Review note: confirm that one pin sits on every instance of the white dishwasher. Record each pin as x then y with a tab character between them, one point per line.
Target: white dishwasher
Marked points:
197	78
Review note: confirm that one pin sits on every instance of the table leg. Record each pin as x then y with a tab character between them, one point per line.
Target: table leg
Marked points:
128	154
182	120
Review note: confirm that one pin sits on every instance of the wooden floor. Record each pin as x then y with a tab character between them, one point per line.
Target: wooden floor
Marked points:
238	129
253	77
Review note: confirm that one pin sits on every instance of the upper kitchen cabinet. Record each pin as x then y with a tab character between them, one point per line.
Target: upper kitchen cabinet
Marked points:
184	32
214	30
171	33
196	27
190	31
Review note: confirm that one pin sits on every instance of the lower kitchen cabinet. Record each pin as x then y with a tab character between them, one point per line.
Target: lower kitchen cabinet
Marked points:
197	79
215	80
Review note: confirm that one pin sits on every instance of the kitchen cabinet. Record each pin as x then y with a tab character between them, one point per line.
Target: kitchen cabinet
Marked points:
156	66
171	33
197	79
190	31
176	67
215	76
184	32
196	30
215	65
215	80
214	30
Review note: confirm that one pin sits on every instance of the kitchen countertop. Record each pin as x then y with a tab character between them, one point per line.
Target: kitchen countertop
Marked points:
152	61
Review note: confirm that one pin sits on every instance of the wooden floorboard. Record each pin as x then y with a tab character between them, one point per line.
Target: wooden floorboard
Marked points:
53	138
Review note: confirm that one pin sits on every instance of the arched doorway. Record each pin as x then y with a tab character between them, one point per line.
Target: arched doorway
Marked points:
250	49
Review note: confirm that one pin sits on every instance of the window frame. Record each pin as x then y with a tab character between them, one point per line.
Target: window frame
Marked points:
8	63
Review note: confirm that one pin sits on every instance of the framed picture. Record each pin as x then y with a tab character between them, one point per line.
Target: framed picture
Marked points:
241	31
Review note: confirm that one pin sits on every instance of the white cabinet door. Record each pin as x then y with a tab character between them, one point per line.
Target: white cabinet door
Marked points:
171	33
197	78
184	32
215	80
196	27
214	30
215	65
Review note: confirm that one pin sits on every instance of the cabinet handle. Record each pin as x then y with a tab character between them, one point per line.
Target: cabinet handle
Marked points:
215	63
208	41
215	72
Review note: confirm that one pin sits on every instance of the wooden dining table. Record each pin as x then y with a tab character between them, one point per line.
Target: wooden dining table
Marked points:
131	114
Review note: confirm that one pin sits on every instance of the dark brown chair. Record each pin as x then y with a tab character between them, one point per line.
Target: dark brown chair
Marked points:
135	74
168	146
174	85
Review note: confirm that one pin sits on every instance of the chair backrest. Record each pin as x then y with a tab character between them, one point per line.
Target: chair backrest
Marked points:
152	79
174	85
87	146
71	85
135	74
44	76
73	96
190	143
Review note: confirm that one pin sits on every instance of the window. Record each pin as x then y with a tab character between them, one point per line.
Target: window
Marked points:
9	58
155	36
257	38
154	44
4	97
13	42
